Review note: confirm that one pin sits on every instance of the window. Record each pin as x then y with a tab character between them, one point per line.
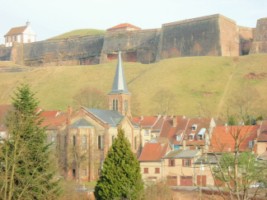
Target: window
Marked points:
84	142
84	172
191	136
251	144
171	162
146	132
157	170
145	170
115	104
186	162
125	105
74	140
100	142
112	138
73	173
194	127
135	142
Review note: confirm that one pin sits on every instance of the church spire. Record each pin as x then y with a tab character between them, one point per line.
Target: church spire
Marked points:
119	97
119	84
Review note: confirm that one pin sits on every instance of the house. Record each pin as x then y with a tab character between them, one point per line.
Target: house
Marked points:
188	133
149	126
179	167
227	138
21	34
261	145
151	162
124	27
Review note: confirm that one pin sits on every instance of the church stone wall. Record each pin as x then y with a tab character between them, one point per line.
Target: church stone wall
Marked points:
259	44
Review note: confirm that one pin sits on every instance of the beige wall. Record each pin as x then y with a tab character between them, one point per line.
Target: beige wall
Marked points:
151	176
261	147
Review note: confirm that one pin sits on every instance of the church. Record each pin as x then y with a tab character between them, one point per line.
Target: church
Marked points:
85	136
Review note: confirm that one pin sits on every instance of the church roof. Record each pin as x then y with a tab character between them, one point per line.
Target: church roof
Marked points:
16	30
119	84
113	118
81	123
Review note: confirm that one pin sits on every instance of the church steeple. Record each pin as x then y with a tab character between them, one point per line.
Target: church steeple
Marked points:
119	83
119	97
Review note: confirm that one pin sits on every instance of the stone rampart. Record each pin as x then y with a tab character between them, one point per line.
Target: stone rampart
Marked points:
194	37
245	39
138	46
81	50
5	53
213	35
259	44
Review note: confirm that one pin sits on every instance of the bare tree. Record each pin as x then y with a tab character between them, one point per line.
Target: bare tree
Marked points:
91	98
164	101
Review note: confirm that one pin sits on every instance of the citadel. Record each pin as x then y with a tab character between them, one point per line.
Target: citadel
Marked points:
214	35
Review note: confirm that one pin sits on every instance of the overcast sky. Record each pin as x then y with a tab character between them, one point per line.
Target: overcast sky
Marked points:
49	18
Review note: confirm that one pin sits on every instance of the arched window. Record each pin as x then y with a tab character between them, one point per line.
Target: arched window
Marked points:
115	104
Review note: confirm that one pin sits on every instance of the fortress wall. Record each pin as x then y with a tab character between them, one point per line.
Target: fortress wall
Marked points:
138	46
259	44
81	50
194	37
229	37
245	39
5	53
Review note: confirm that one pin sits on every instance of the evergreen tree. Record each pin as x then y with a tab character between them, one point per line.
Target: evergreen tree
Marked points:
26	171
120	177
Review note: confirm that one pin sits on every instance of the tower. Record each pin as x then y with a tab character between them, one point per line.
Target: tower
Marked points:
119	98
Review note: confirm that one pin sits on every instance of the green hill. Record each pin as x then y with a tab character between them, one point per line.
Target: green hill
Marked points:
78	33
198	84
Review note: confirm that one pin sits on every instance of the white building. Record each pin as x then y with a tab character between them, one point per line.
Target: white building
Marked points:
22	34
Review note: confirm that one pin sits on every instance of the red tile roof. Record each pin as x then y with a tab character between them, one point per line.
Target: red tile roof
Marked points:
53	119
16	30
146	121
123	26
153	152
223	138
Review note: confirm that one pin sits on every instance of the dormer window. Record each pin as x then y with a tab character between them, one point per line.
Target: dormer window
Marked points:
201	134
191	136
194	127
178	137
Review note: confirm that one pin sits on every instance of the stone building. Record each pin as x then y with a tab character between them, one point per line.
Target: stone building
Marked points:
21	34
88	133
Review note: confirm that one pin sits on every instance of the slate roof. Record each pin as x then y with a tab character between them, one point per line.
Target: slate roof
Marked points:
16	30
182	154
81	123
153	152
113	118
119	84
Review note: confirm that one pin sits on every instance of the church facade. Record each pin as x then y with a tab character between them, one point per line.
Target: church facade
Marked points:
87	134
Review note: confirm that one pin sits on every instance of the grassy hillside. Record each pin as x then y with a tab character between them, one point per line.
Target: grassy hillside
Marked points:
78	33
197	83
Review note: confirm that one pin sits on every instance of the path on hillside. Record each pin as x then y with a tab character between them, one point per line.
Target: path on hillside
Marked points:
143	72
226	89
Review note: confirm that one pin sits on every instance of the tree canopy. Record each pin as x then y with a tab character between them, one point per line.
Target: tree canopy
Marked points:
26	171
120	177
